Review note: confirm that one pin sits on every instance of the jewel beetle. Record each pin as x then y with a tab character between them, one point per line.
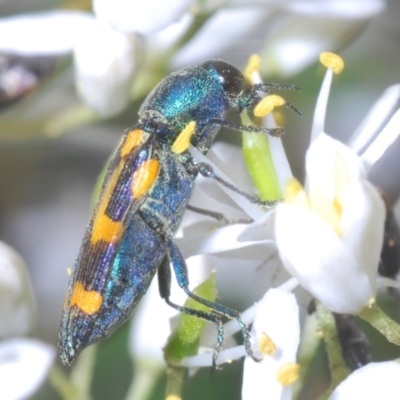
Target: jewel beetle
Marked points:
145	192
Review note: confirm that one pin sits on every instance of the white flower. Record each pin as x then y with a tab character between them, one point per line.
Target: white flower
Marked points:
50	33
330	238
105	63
378	380
289	35
143	17
107	50
16	297
276	332
24	364
105	58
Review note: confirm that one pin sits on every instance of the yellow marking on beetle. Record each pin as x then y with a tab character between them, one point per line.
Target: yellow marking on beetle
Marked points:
144	177
88	301
182	142
104	228
133	140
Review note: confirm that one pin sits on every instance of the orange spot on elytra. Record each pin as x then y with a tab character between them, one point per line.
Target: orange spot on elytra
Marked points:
144	177
133	139
88	301
104	228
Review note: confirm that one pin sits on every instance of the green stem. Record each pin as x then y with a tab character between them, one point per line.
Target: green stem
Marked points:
338	368
185	340
381	322
73	117
175	379
82	374
308	348
61	383
260	164
77	387
146	375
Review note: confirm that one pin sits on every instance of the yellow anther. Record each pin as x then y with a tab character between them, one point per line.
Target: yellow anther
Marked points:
267	104
266	345
173	397
332	60
252	65
182	142
295	194
288	374
69	271
371	302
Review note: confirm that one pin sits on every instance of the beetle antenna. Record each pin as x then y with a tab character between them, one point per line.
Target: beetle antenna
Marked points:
266	88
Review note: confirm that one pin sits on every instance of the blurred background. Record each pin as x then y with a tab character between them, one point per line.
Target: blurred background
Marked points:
47	176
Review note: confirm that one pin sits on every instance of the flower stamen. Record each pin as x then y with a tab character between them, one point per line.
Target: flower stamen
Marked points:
332	60
267	104
266	345
253	65
295	194
288	374
173	397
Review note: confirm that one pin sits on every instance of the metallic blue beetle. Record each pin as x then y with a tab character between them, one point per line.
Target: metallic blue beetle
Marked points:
144	195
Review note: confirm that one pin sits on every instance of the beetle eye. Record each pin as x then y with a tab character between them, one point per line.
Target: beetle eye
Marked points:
231	79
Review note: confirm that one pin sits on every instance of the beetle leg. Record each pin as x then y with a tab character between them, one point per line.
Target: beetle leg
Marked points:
207	171
164	285
180	268
218	216
278	131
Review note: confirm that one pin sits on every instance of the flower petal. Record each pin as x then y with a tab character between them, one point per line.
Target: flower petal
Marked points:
382	142
105	61
253	210
297	42
332	8
313	253
16	297
140	16
356	9
247	26
278	317
362	209
47	33
362	223
321	165
374	381
377	115
215	241
24	364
